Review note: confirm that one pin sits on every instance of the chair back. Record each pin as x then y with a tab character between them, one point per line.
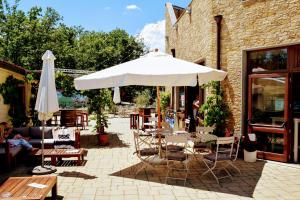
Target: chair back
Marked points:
202	129
224	141
136	137
181	140
237	139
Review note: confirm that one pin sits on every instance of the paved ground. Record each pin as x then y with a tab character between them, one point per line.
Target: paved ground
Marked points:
109	174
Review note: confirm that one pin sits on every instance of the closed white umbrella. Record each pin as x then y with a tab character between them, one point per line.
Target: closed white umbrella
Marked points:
153	69
117	98
46	102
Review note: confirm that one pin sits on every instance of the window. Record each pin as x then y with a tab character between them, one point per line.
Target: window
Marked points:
267	60
268	95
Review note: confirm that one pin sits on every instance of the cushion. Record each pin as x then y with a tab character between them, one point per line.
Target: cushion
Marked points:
177	156
36	132
60	135
221	156
2	150
200	145
24	131
173	148
227	150
13	151
148	151
39	141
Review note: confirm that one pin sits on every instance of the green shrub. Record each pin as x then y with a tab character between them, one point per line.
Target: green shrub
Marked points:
142	99
215	109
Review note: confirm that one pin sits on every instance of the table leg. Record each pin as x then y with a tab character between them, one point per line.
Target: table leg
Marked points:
79	160
53	160
54	191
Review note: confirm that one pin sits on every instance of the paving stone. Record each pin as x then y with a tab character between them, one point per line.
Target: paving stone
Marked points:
109	173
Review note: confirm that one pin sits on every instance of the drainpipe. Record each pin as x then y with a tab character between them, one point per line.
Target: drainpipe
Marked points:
218	19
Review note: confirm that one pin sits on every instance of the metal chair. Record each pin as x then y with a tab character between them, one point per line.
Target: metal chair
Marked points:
235	151
145	152
200	145
177	160
211	160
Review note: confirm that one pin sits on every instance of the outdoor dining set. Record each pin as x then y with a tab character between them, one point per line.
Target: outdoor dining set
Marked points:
177	148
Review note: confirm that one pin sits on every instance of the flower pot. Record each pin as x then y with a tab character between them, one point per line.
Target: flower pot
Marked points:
250	156
103	139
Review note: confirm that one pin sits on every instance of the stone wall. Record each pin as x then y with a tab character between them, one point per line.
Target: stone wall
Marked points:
246	25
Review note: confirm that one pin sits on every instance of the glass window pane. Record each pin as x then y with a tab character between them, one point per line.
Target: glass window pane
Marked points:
270	142
268	60
268	100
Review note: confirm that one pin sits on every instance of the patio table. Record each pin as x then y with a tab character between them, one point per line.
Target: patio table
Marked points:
36	187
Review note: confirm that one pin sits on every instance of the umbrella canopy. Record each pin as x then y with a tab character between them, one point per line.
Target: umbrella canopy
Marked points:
153	69
46	102
117	98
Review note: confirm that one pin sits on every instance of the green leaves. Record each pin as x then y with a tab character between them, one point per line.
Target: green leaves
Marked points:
215	109
12	94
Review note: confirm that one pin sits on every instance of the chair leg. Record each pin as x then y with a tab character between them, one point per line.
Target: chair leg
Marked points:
211	171
235	167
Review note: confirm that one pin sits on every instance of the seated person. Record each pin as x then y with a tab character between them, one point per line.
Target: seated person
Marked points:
15	139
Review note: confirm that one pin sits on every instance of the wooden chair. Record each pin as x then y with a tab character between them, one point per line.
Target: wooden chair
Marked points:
145	152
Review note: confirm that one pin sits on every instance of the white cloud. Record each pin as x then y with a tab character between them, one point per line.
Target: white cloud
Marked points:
153	35
132	7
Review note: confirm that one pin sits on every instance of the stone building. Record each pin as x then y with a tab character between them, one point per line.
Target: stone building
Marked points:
257	43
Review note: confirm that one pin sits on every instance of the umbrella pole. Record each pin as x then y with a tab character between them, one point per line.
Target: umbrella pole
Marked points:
159	118
43	133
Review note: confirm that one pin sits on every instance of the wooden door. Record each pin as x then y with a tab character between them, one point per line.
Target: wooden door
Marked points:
268	114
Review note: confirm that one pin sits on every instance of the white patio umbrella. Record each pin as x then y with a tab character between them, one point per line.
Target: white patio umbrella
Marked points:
117	98
153	69
46	102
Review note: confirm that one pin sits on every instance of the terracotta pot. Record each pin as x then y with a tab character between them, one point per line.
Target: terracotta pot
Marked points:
103	139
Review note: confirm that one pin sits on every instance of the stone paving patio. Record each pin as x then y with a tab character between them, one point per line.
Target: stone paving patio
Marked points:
109	172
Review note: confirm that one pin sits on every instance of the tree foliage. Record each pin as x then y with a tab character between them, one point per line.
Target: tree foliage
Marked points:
25	36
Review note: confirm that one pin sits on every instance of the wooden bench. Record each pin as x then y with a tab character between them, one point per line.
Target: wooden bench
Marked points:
19	187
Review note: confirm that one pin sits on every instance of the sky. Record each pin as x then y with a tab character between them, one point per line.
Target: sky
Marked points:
143	17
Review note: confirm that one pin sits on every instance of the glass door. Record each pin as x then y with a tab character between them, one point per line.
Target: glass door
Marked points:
268	114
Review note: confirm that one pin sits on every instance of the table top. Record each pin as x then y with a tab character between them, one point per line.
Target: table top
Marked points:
18	187
60	152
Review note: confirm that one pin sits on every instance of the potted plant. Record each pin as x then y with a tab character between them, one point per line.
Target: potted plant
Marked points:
99	101
165	103
215	110
249	146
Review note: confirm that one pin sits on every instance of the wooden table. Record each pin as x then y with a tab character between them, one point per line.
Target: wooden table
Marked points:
55	154
18	188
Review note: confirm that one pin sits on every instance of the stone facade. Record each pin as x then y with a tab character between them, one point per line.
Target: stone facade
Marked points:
252	24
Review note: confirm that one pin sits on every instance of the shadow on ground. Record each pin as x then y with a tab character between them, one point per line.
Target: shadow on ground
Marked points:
75	174
241	185
90	141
